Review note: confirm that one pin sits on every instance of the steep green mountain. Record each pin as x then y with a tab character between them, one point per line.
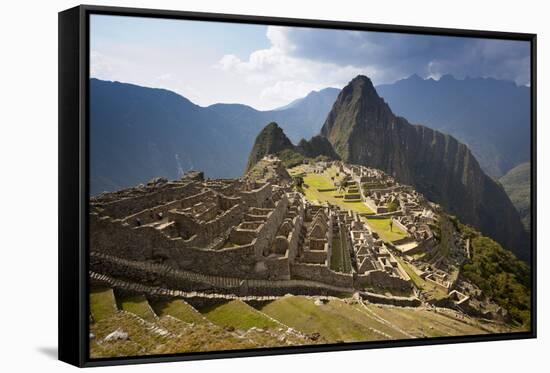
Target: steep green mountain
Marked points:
498	273
272	140
490	116
363	130
517	183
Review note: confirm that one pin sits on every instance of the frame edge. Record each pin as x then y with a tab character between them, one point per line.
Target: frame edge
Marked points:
70	314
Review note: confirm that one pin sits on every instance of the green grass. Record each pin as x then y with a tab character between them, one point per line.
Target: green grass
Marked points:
339	260
179	309
421	322
238	315
382	227
138	305
335	320
318	181
336	260
102	303
322	181
144	341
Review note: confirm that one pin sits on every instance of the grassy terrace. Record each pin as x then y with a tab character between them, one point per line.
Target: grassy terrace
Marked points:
421	322
323	181
179	309
382	227
340	260
139	305
102	303
335	320
238	315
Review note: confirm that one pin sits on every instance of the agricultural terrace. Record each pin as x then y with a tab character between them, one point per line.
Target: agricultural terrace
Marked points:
387	232
320	188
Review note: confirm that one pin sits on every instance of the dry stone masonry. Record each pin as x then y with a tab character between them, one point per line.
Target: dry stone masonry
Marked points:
257	237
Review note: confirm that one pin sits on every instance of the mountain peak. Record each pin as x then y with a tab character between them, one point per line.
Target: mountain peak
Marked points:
447	78
363	130
270	140
414	77
360	86
361	81
358	99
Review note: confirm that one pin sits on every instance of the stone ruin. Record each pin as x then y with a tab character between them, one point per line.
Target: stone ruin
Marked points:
220	234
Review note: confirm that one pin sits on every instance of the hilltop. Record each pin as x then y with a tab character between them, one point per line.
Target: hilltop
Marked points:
272	140
363	130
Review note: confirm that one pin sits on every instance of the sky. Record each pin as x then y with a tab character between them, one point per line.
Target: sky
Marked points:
269	66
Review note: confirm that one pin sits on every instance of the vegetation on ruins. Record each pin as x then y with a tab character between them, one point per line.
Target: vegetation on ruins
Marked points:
499	274
392	206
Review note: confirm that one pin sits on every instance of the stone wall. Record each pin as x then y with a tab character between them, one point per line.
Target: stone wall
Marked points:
259	197
294	236
147	243
269	229
129	206
392	300
321	273
380	279
314	257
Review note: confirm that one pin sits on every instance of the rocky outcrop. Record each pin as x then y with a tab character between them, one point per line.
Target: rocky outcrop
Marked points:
317	146
363	130
272	140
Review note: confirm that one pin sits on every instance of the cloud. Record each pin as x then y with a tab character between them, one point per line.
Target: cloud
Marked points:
282	77
307	58
396	55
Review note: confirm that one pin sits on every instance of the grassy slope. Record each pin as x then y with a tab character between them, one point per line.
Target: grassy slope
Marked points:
422	322
334	321
102	303
382	227
238	315
138	305
179	309
322	181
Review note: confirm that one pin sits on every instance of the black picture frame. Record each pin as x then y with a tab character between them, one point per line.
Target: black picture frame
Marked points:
74	179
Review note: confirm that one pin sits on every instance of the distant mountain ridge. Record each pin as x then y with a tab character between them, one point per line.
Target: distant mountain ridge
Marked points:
301	119
138	133
491	116
363	130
